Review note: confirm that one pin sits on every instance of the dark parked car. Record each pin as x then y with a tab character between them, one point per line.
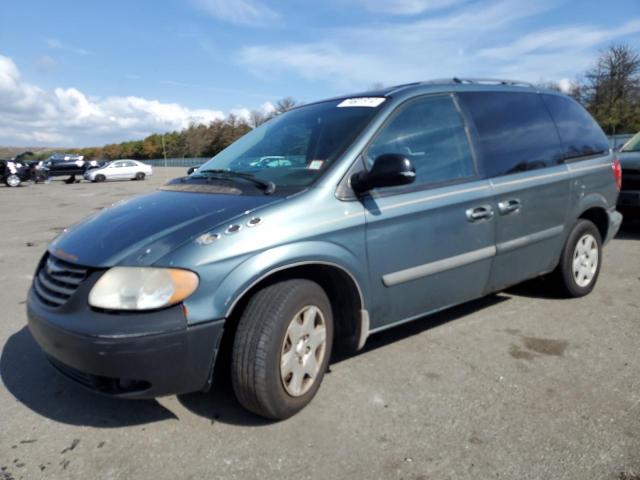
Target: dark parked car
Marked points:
14	172
59	165
629	156
370	210
195	168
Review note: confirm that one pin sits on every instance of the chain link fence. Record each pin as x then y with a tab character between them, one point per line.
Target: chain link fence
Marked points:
175	162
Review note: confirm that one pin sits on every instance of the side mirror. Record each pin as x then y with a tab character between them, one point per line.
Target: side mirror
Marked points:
388	170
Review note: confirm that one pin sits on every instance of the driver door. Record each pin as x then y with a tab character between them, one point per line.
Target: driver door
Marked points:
430	244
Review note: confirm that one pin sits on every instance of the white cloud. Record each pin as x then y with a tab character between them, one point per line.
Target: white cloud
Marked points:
56	44
560	40
407	7
566	85
244	113
437	46
67	117
240	12
478	39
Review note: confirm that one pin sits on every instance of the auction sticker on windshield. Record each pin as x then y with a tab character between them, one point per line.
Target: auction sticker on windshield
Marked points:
362	102
315	165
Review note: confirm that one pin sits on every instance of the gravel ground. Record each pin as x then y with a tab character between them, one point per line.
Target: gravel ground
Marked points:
517	385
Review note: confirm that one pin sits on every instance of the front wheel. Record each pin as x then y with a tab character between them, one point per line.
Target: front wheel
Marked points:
282	348
99	178
579	266
12	180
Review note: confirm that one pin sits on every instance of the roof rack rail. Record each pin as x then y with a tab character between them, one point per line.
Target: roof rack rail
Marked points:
477	81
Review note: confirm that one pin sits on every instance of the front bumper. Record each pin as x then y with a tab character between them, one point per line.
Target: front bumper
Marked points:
141	363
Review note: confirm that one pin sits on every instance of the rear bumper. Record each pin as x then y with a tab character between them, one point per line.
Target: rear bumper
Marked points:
615	220
629	199
139	365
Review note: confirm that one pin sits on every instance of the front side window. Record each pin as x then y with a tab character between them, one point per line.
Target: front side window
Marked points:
296	147
515	131
429	132
579	132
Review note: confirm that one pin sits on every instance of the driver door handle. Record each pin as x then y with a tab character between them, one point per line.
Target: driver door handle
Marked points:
479	213
509	206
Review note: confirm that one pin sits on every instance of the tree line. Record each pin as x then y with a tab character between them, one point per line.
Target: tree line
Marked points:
197	140
609	90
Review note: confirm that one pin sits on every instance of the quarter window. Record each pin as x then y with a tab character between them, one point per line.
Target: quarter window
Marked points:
579	132
515	131
429	132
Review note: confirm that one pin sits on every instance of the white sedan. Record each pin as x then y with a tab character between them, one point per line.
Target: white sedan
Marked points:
119	170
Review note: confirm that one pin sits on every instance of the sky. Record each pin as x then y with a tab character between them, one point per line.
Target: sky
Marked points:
90	72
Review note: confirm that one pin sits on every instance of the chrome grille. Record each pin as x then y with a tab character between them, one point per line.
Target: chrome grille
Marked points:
57	280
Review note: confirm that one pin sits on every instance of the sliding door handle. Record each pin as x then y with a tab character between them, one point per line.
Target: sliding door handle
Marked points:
483	212
509	206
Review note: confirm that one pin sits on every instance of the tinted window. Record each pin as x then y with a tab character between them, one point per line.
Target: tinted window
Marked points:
429	132
579	132
515	131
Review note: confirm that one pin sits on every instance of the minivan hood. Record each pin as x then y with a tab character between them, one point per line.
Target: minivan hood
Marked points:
143	229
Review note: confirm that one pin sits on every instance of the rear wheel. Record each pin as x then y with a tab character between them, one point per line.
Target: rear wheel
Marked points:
579	266
99	178
140	176
12	180
282	348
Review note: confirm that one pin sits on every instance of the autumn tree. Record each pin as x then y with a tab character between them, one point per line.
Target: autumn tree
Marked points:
611	89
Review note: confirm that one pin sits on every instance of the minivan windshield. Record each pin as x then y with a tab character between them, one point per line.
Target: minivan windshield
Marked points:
296	147
633	145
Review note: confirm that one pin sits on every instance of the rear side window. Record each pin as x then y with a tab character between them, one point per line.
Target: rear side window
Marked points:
579	132
515	131
429	132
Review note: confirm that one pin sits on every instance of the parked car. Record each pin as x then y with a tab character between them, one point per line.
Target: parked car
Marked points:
58	165
629	156
20	169
120	170
190	170
16	171
616	142
410	200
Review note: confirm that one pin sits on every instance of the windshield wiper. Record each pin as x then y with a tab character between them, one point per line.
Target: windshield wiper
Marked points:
267	186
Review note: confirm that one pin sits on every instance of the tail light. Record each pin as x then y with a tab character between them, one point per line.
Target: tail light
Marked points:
617	172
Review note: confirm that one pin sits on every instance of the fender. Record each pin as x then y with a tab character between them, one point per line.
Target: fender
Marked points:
244	275
258	267
590	201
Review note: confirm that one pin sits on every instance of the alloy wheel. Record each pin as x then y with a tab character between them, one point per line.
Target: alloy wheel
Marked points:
585	260
303	350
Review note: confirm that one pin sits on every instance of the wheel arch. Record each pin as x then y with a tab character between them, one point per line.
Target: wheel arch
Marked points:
599	217
594	207
339	283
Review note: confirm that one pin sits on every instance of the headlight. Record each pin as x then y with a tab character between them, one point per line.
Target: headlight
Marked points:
142	288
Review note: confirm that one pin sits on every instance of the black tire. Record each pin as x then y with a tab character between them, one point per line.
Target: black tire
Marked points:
99	178
140	176
564	278
259	342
